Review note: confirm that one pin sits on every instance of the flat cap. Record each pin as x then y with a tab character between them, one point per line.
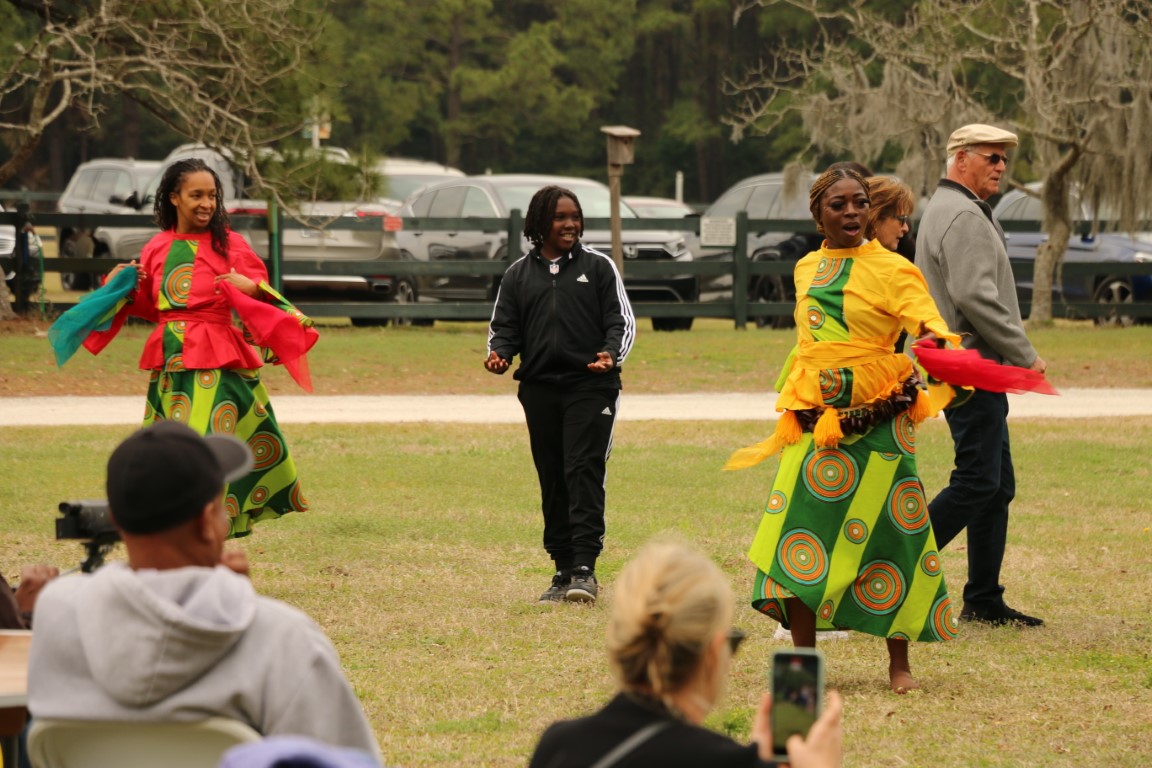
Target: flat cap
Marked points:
978	133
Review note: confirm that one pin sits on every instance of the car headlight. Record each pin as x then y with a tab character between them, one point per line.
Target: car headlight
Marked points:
1142	257
679	249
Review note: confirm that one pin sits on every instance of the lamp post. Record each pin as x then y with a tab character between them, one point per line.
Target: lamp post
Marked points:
620	154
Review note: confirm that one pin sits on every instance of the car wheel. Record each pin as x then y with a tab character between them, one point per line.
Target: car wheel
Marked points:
771	290
672	323
405	293
1114	291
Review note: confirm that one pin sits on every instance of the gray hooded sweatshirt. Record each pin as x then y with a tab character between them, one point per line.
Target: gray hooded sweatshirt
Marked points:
183	645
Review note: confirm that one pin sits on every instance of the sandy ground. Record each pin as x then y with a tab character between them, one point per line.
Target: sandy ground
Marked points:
504	409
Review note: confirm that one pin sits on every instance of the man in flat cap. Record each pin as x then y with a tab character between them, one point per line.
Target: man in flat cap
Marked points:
178	633
960	249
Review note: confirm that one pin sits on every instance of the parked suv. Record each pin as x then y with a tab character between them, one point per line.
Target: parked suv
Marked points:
494	197
298	244
762	197
1100	248
108	185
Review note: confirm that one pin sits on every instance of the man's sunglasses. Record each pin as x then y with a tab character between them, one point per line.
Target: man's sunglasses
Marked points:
994	158
735	637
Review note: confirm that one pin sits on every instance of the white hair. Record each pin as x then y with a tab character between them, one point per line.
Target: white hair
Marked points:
952	157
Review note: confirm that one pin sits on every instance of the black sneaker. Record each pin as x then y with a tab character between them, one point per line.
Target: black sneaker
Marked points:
583	588
998	616
559	588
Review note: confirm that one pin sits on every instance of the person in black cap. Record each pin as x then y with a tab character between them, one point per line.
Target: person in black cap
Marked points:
177	632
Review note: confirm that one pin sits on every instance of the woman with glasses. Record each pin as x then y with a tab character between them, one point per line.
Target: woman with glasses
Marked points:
890	212
845	541
670	642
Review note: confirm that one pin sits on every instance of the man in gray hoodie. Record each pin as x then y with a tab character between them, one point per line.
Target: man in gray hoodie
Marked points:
178	633
960	249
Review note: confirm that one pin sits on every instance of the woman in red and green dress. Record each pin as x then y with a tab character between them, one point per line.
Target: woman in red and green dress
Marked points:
192	280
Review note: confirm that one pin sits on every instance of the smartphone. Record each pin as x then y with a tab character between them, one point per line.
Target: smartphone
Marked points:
797	695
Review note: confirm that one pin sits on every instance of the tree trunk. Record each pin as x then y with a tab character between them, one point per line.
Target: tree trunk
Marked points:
1058	226
6	311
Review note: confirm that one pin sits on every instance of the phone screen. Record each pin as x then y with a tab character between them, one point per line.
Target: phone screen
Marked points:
797	693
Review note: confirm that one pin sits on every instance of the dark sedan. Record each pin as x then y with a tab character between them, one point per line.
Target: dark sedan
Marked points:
766	196
1102	248
494	197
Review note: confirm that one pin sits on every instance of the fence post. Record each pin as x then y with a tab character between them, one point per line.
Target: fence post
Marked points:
515	232
740	272
275	223
20	256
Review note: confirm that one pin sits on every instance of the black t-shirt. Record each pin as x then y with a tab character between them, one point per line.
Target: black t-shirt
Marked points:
580	743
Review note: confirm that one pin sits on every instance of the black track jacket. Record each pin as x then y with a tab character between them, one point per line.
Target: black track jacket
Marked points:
558	323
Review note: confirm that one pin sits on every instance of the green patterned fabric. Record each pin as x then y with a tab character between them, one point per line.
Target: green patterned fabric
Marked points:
846	528
235	402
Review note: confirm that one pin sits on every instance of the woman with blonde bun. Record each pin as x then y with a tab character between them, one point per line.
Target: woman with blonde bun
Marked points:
670	643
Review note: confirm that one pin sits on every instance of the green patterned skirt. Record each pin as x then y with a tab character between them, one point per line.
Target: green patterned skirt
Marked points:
846	531
233	401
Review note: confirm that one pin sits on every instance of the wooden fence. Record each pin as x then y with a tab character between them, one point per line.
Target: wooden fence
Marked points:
739	308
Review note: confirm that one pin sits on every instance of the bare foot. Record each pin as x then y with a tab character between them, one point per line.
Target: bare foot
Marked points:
902	681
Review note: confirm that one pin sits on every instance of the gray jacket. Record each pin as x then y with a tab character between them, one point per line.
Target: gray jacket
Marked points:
960	249
183	645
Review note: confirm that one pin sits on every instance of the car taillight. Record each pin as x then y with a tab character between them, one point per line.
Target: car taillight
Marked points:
368	214
393	223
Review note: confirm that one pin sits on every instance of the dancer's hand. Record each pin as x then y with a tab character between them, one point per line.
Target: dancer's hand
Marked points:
495	363
140	274
602	363
242	283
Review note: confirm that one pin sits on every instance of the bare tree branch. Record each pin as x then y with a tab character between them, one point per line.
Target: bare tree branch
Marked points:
228	74
1074	77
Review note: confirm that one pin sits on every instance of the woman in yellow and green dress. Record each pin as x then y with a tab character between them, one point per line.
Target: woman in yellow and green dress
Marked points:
192	279
845	541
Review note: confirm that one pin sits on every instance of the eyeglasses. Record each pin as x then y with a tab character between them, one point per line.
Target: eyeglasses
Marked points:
906	220
735	637
994	158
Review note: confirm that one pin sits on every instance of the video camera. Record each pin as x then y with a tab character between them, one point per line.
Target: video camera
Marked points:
90	522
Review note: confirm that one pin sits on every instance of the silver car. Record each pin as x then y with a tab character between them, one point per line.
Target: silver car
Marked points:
494	196
322	239
107	185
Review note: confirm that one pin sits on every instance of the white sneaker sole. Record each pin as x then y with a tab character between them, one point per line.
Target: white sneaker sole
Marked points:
836	634
577	595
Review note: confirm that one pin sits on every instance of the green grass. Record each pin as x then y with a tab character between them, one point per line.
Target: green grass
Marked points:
446	359
421	559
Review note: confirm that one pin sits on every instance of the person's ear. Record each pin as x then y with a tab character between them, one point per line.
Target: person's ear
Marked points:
206	523
212	524
713	653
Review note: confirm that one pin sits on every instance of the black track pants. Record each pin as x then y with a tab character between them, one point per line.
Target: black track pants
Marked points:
571	438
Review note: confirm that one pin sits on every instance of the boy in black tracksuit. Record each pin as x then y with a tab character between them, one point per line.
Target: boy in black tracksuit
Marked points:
563	309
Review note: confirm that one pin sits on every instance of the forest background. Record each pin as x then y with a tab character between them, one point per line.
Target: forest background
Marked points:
485	85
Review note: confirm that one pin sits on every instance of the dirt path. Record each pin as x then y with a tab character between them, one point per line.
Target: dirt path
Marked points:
504	409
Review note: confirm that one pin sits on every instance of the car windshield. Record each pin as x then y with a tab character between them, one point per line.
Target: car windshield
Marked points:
142	176
400	187
595	200
731	202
